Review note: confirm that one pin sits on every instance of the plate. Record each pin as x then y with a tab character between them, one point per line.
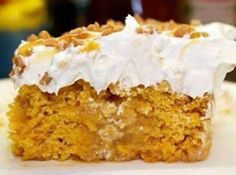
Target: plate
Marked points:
222	159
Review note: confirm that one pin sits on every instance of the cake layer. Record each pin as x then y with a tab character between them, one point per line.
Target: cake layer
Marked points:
150	123
139	53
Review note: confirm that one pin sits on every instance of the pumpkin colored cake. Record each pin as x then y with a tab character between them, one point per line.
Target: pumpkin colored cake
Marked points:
143	90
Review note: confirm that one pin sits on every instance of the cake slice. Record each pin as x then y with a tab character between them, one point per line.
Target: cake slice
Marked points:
144	90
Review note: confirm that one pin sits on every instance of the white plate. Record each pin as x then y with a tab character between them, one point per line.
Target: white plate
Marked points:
222	159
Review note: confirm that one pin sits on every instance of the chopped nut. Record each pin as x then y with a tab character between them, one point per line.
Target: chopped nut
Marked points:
139	30
107	31
198	34
25	50
204	34
77	30
44	35
94	27
76	41
149	30
12	73
118	28
20	66
171	25
195	35
146	29
83	35
114	25
32	38
18	61
182	30
46	79
62	45
50	42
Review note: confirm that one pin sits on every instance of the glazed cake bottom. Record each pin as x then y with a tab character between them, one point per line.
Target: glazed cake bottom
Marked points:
152	124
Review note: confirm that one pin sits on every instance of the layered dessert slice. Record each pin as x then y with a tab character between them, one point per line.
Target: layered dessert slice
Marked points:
144	90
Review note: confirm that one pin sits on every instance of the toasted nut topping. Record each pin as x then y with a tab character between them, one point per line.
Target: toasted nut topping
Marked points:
77	36
195	35
83	35
198	34
139	30
118	28
76	41
18	61
46	79
204	34
12	73
146	29
171	25
50	42
62	45
77	30
107	31
44	35
94	27
182	30
32	38
20	66
25	50
149	30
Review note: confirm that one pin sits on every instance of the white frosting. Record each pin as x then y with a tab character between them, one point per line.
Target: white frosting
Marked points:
219	30
191	66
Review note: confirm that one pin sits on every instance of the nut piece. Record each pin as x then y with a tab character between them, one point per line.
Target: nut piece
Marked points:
94	27
77	30
146	29
44	35
139	30
107	31
195	35
50	42
20	66
83	35
198	34
18	61
76	41
46	79
204	34
62	45
25	50
182	30
12	73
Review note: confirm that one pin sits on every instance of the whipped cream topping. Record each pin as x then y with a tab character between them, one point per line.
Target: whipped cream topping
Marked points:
191	66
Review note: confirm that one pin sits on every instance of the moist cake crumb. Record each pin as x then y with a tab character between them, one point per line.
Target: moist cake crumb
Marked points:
149	124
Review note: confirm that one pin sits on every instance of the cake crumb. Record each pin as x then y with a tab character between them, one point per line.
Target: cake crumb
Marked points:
89	123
